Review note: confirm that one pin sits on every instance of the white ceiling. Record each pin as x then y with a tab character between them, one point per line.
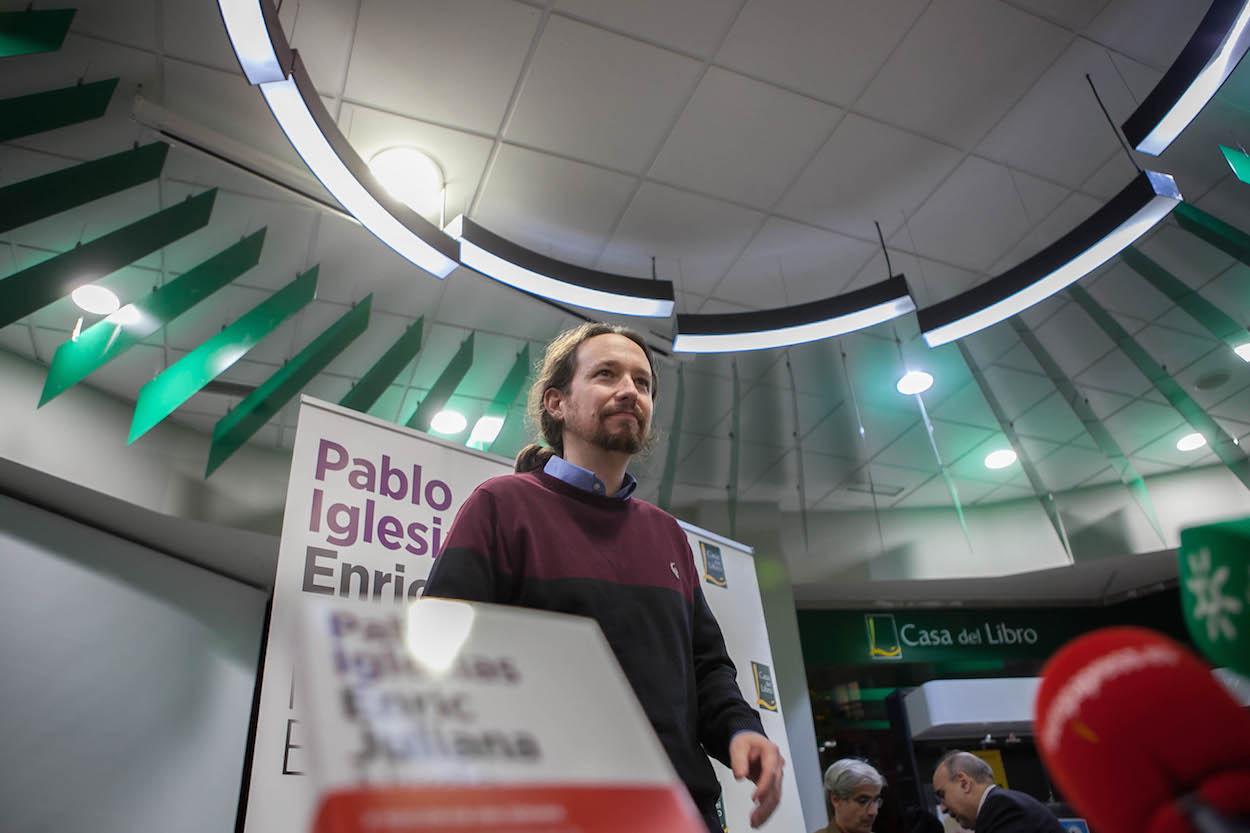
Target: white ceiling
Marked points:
749	147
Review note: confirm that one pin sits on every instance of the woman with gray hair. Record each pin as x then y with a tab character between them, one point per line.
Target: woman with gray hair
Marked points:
853	787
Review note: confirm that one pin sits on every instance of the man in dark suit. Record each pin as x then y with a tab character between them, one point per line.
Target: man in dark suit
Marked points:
964	785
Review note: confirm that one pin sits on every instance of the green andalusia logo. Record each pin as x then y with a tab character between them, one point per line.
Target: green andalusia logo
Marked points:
883	641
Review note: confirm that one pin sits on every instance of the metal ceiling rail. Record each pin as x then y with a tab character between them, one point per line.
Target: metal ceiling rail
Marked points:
43	196
107	339
39	112
1224	446
444	387
1044	494
384	371
236	427
1093	426
184	378
34	287
30	32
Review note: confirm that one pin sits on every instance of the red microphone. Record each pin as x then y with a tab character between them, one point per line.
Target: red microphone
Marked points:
1141	738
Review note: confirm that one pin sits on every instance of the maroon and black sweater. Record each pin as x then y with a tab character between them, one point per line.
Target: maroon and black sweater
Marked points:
535	541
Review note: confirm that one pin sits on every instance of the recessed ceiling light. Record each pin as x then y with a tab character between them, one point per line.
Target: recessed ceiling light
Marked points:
95	299
1191	442
1243	351
913	382
485	430
411	177
448	422
1000	459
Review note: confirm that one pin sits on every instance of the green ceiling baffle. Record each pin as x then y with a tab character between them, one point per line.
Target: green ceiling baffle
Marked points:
1093	425
443	387
37	112
1224	446
1041	491
43	196
1219	323
379	377
1238	160
1232	241
508	392
665	499
107	339
184	378
34	287
30	32
262	404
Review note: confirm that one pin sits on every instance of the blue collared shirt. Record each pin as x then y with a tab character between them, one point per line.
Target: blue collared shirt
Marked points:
585	479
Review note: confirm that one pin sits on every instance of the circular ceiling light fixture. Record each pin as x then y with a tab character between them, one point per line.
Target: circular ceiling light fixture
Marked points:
914	382
95	300
411	177
1191	442
1000	459
1243	351
448	422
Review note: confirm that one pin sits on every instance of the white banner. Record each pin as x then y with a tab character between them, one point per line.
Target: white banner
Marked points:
367	507
477	718
733	594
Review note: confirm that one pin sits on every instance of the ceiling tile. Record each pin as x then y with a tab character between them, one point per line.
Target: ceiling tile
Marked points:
1121	290
742	140
1115	372
316	28
1175	350
829	49
1069	466
914	451
1164	451
132	22
1073	340
1150	31
1234	406
559	208
1141	423
419	59
936	493
1071	14
889	481
1219	363
971	466
788	263
694	26
838	434
695	239
1051	419
974	216
961	67
1196	150
354	263
1057	130
1116	172
868	171
461	156
1015	391
968	407
600	97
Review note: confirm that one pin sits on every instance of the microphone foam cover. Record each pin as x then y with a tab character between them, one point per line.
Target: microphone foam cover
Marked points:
1128	721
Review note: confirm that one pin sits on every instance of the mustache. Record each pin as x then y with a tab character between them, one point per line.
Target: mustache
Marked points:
636	413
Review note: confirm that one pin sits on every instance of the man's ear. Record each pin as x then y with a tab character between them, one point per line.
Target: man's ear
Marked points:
553	403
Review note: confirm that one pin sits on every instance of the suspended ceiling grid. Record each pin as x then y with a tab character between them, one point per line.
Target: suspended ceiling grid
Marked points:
749	147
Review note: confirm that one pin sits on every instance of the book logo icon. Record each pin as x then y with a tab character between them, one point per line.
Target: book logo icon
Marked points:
765	691
883	642
713	564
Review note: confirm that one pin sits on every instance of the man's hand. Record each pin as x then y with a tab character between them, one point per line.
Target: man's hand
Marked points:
753	756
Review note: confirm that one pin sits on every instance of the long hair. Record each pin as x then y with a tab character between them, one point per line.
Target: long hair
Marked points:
558	367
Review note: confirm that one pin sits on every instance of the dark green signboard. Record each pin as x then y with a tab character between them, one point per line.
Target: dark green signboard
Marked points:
850	637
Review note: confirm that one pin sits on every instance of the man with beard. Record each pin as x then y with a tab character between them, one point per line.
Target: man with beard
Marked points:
563	533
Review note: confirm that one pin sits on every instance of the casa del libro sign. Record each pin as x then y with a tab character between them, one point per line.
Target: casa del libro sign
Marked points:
891	637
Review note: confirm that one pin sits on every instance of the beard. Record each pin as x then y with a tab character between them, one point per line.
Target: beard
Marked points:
628	437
